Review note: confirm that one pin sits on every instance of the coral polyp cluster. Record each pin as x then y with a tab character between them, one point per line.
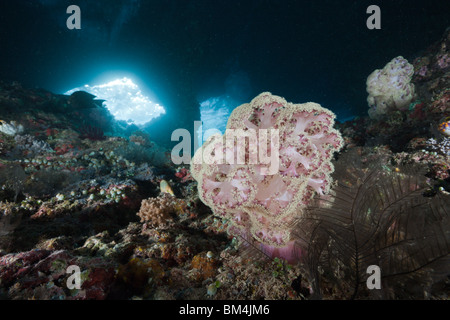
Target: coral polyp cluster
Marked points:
157	211
261	202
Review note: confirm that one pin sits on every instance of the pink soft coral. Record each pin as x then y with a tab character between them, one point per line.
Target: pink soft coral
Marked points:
261	202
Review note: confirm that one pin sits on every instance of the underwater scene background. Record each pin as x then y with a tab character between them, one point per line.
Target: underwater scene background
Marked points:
224	150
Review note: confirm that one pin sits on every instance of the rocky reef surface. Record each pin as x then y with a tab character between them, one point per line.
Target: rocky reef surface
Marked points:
78	189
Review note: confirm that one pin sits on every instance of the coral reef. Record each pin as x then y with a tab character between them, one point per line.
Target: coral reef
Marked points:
442	146
425	116
30	146
246	278
157	212
432	68
41	274
109	200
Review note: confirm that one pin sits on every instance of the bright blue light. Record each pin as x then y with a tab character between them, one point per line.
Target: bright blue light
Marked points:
214	113
125	101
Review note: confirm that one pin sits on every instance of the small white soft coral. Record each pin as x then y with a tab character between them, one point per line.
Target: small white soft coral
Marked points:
11	129
390	88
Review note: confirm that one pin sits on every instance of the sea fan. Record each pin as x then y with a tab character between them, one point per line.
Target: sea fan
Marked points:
376	216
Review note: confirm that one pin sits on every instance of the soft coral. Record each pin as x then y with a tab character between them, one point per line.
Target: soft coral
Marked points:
259	205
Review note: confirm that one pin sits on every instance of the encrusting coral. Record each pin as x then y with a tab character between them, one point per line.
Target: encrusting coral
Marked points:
261	202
